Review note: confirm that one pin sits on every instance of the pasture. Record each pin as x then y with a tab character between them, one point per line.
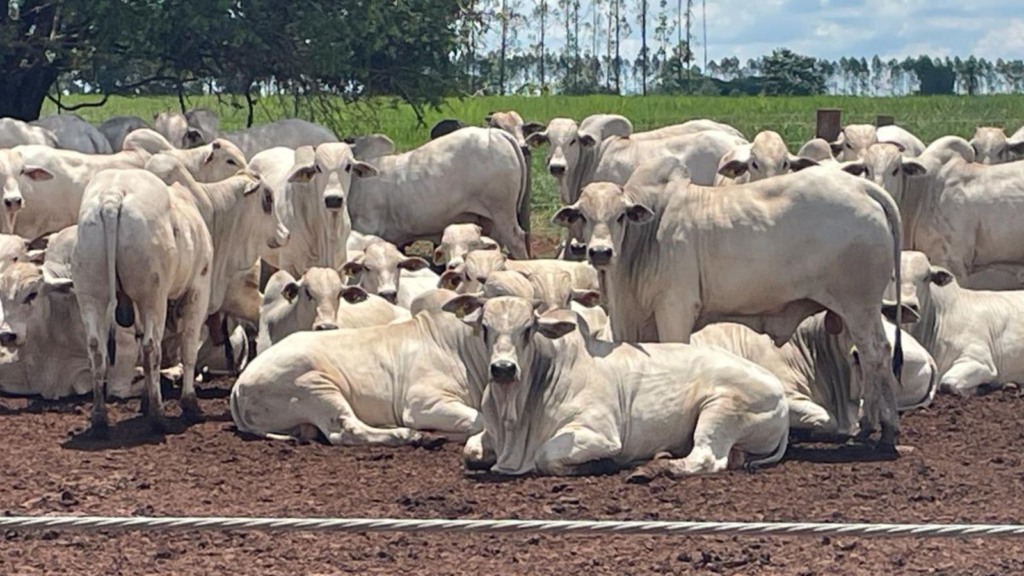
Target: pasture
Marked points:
929	117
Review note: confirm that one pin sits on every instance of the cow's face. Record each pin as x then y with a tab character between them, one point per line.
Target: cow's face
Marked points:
853	140
13	173
564	145
221	159
172	126
379	269
991	146
767	156
510	122
507	325
919	277
602	213
883	163
457	241
329	168
259	214
321	290
476	268
22	289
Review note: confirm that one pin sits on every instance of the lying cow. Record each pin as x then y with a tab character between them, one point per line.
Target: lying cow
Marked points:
318	301
311	187
559	404
992	146
383	385
457	240
974	336
820	374
674	257
479	264
141	244
473	174
383	270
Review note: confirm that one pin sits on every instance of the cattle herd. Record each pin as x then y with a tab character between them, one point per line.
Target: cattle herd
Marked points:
715	297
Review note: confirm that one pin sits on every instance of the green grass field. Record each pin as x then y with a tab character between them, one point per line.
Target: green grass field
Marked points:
929	117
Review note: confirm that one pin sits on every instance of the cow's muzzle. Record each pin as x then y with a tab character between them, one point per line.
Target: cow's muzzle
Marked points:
389	295
8	338
503	371
333	202
557	171
324	326
13	202
599	255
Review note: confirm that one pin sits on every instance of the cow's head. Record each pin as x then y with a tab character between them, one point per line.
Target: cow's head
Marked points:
220	160
919	277
853	140
379	269
22	289
508	324
765	157
330	168
256	213
476	267
554	291
14	172
319	291
172	126
883	163
564	145
991	146
459	239
512	123
603	212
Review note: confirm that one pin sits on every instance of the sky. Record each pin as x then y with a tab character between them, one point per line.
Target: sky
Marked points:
862	28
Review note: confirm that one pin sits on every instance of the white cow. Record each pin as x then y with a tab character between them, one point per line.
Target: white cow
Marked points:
383	270
209	163
559	404
479	264
550	290
14	132
457	240
471	175
974	336
311	188
688	127
855	138
74	133
142	243
765	157
513	123
674	257
42	340
203	127
961	214
431	301
991	146
820	372
13	249
318	301
382	385
817	149
115	129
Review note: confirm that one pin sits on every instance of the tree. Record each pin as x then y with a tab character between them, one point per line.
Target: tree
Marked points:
786	72
935	77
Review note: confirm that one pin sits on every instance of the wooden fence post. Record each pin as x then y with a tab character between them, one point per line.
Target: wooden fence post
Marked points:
829	124
884	120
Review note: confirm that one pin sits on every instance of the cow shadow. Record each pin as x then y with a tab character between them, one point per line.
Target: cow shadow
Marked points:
134	432
839	454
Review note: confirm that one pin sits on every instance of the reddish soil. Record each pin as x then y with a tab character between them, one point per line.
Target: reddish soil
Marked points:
966	467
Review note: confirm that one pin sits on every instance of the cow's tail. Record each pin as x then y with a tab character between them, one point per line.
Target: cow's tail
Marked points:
523	199
892	214
236	412
110	216
772	458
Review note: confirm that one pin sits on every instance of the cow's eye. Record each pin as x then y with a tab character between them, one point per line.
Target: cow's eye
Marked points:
486	333
753	165
621	218
308	293
31	297
785	165
318	169
231	162
895	170
348	168
571	142
849	146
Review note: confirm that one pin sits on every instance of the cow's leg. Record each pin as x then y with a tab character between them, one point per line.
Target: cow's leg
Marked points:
675	315
508	234
805	414
193	310
445	415
99	340
967	374
879	390
479	454
152	328
577	451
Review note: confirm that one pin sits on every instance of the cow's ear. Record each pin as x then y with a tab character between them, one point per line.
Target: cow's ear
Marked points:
940	276
194	138
290	291
450	280
486	243
798	163
353	268
364	170
304	167
413	264
1015	146
855	168
37	173
913	168
58	285
639	213
252	186
35	256
733	168
467	307
837	147
898	146
588	298
438	256
537	139
587	140
354	295
532	128
552	327
567	216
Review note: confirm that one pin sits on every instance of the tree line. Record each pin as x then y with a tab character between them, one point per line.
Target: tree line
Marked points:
419	51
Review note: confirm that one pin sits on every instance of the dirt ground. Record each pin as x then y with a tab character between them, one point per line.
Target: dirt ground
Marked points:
966	467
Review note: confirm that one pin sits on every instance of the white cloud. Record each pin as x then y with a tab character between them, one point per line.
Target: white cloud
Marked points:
1006	42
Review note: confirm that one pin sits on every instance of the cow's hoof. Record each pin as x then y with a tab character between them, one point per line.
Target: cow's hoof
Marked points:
886	448
641	476
190	410
477	465
429	441
99	428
